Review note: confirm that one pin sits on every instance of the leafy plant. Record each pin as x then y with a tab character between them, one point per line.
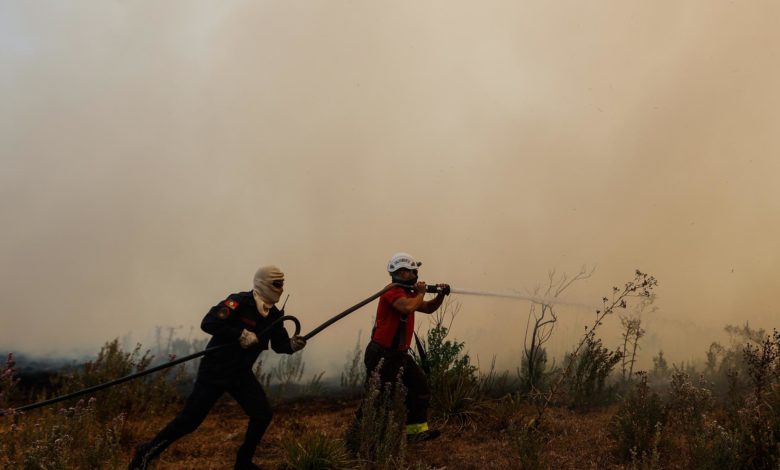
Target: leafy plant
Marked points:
456	391
637	426
688	404
590	369
533	373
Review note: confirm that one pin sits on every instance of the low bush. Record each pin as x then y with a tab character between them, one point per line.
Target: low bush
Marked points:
586	385
150	394
743	433
688	404
74	437
379	439
534	377
8	383
314	451
637	427
457	392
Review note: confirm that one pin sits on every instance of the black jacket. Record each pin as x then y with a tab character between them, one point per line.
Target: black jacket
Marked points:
225	322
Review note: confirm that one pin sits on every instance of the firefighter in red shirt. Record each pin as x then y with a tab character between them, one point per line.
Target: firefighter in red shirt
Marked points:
392	336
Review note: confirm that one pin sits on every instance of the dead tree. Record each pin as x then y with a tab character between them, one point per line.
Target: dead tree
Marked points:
632	333
642	287
541	324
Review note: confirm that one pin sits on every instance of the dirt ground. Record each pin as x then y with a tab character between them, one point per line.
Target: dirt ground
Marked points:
571	440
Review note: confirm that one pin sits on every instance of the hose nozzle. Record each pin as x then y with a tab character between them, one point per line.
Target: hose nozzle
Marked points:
437	289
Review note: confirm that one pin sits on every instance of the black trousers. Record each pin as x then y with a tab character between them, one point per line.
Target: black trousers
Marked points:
418	395
249	394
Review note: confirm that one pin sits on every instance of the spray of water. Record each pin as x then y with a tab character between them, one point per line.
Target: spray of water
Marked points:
530	298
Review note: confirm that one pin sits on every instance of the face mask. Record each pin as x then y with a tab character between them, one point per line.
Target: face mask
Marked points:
269	284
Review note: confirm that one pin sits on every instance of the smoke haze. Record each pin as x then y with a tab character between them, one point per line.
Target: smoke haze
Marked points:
154	154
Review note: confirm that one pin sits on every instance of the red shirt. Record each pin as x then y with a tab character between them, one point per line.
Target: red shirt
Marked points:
388	318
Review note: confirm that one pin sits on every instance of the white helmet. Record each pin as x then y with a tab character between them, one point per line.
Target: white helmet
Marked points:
402	260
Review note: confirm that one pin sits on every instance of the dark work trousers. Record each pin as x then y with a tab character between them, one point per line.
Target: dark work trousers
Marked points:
418	395
249	394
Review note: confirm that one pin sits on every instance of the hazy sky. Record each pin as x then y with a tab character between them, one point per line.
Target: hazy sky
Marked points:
154	154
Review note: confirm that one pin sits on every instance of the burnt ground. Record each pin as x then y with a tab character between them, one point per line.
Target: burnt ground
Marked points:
571	440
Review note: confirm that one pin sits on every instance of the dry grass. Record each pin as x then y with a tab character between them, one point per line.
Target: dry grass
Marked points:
571	440
568	439
213	445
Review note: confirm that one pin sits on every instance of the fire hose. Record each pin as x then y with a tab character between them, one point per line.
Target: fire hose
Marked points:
311	334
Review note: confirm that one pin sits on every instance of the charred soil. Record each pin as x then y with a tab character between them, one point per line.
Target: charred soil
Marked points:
568	439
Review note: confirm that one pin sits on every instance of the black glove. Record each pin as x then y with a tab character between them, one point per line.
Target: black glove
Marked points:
445	289
297	343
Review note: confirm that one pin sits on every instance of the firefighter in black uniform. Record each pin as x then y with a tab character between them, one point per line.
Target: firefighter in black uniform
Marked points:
235	321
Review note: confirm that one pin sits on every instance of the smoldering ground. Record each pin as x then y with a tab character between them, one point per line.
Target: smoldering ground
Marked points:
155	155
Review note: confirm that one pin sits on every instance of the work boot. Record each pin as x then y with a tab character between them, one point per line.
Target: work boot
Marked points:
143	456
244	458
246	466
423	436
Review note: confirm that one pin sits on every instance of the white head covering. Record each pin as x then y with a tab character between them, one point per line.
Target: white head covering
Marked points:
264	292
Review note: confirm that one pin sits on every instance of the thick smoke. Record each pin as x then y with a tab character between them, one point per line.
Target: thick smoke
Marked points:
154	155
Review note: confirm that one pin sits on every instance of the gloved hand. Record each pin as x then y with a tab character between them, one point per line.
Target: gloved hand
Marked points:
297	343
445	289
247	339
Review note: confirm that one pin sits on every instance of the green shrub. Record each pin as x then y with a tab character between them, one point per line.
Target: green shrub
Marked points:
749	434
458	398
534	377
638	424
456	389
444	355
586	386
726	366
314	451
688	404
758	423
649	460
